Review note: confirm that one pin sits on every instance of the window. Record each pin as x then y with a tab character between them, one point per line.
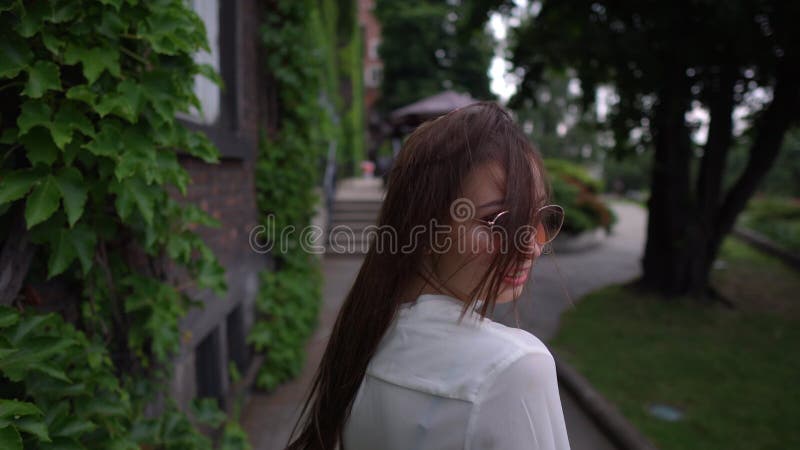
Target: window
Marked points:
208	373
373	49
205	89
374	76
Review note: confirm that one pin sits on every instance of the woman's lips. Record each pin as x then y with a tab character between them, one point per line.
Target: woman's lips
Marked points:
518	278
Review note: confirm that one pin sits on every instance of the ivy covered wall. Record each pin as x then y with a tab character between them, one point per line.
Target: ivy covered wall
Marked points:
314	53
92	226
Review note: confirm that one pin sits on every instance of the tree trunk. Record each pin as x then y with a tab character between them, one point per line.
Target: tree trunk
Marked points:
771	127
685	232
667	250
709	180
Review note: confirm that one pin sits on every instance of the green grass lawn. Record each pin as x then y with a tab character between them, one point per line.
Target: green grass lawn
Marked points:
735	373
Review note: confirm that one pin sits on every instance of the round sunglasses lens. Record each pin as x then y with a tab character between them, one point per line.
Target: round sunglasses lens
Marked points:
550	220
500	222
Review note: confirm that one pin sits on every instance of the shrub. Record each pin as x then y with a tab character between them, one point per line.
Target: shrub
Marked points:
578	193
777	218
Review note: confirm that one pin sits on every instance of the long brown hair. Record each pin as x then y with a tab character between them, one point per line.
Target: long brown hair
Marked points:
424	181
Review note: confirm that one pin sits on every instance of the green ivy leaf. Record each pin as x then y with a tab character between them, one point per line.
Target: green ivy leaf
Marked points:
143	197
126	103
13	409
198	145
130	98
32	18
39	147
178	247
33	426
72	427
52	42
208	71
14	55
62	253
138	157
16	184
6	348
67	119
71	151
123	201
43	202
33	113
115	3
171	170
107	142
83	93
10	438
210	272
42	77
84	241
102	406
58	389
35	350
111	24
8	317
73	191
51	371
94	60
63	11
28	325
54	11
207	412
134	192
158	90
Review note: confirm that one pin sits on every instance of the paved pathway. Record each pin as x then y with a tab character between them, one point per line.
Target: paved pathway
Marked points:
268	418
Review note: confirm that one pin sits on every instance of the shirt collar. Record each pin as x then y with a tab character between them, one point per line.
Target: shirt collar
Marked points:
443	303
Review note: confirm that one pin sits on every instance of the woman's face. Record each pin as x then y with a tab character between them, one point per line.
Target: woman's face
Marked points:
463	263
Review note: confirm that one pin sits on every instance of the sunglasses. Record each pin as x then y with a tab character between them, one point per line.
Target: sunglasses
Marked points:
549	219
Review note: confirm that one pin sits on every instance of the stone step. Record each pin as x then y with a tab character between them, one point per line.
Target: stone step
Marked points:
358	217
345	247
360	205
355	225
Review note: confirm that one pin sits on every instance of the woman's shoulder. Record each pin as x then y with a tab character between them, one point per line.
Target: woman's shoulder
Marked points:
436	353
519	338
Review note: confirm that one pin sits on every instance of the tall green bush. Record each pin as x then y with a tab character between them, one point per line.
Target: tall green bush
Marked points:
313	51
302	59
578	193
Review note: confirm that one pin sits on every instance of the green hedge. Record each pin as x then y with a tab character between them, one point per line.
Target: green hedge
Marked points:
777	218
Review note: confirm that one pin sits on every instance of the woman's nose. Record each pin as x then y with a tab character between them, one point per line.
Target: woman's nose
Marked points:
532	249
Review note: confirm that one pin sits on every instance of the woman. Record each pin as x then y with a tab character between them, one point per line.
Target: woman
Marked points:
413	361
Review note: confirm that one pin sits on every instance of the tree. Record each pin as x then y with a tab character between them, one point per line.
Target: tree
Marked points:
426	49
665	59
554	120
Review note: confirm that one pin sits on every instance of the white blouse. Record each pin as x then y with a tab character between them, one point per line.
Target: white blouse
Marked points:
437	384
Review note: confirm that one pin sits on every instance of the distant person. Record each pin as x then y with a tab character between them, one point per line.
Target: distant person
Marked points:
414	361
368	168
384	165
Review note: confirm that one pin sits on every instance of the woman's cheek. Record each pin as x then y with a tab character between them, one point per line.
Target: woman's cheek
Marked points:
480	242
